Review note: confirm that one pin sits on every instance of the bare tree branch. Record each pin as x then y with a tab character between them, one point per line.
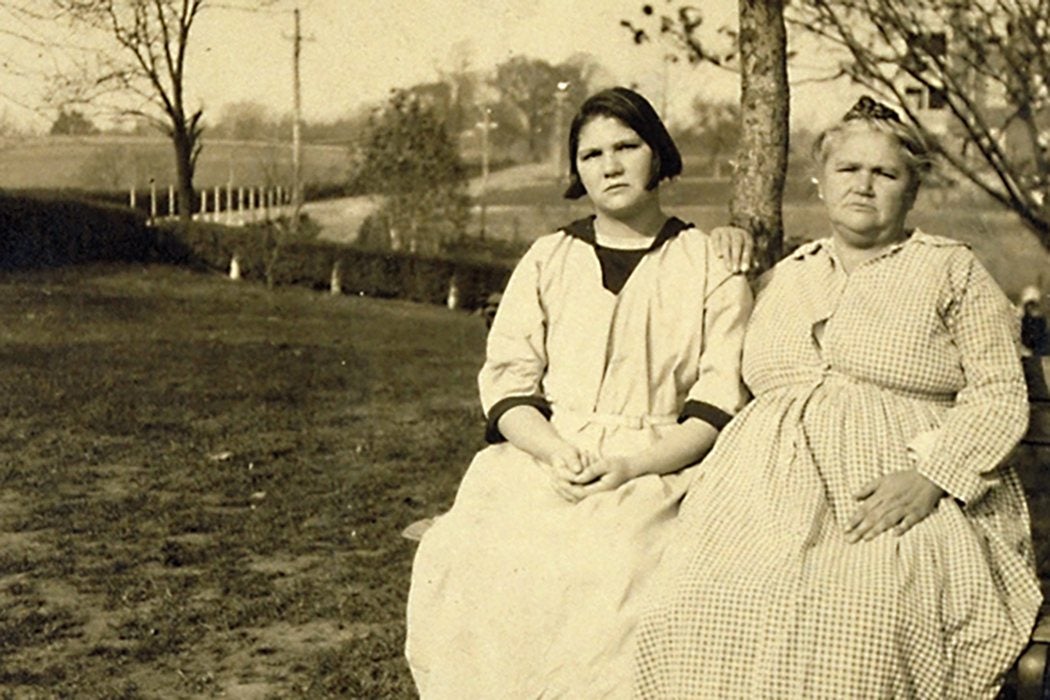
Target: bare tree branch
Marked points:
150	38
987	62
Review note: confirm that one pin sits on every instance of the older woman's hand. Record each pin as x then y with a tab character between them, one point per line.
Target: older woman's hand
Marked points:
734	246
898	500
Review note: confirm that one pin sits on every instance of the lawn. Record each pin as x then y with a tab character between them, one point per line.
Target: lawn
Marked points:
202	484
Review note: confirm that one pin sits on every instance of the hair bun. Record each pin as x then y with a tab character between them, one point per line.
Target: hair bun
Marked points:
867	108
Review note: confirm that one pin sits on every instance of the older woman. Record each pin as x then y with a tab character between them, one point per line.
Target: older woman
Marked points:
854	533
611	364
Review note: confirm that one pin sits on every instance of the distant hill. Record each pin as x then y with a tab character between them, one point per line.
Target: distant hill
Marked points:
118	162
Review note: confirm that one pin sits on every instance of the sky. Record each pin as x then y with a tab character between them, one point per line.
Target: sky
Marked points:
355	51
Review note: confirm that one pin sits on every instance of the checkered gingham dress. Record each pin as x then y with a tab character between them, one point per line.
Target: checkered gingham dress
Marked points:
760	594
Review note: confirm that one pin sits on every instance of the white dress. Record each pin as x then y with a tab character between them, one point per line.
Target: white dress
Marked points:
515	592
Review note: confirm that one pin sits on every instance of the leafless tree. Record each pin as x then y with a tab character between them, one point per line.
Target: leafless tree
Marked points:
758	50
758	184
151	38
972	73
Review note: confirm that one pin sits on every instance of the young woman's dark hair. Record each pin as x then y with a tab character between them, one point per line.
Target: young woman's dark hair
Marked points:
635	111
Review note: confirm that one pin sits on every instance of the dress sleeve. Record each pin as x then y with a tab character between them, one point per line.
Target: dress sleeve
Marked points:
719	391
991	412
515	354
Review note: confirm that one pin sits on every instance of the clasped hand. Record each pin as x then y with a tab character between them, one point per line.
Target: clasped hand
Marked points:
898	500
576	474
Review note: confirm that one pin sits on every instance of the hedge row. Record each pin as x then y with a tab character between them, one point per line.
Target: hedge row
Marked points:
39	232
312	263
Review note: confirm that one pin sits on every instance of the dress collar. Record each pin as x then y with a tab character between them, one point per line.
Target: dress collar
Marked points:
917	236
583	229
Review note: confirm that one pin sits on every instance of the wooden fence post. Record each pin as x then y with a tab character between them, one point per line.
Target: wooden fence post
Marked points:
452	302
337	278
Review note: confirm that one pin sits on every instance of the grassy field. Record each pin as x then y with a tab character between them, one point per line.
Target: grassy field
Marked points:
118	162
202	484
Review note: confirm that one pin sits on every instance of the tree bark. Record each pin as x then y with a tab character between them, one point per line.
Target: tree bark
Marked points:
184	144
758	183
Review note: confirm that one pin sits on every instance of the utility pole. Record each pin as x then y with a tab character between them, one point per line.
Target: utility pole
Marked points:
297	118
486	125
668	59
560	149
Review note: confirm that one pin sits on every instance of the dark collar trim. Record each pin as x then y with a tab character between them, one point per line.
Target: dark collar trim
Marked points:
584	230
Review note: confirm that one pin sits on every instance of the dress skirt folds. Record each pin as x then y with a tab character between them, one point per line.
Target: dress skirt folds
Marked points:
520	594
909	362
517	593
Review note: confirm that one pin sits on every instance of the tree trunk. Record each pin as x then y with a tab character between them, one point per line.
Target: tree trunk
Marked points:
183	143
758	183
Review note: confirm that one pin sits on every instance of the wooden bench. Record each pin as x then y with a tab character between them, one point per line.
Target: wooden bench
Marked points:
1029	678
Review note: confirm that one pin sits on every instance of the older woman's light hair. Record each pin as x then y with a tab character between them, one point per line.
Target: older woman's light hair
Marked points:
868	114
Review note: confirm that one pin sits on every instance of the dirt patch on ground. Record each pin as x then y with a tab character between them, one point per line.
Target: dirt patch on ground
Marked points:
205	501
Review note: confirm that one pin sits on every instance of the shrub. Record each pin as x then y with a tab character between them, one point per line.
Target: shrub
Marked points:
409	157
311	262
40	232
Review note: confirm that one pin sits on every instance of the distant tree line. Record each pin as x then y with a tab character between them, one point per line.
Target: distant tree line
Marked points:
523	100
72	122
528	102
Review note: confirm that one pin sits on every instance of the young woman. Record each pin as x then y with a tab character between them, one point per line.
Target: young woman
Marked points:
855	533
611	365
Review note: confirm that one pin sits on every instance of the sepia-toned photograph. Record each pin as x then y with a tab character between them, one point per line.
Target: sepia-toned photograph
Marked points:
524	349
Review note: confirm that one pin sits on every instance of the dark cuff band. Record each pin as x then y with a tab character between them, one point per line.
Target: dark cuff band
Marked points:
712	415
492	433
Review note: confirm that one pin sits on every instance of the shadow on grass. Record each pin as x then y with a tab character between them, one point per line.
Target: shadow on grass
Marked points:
204	483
